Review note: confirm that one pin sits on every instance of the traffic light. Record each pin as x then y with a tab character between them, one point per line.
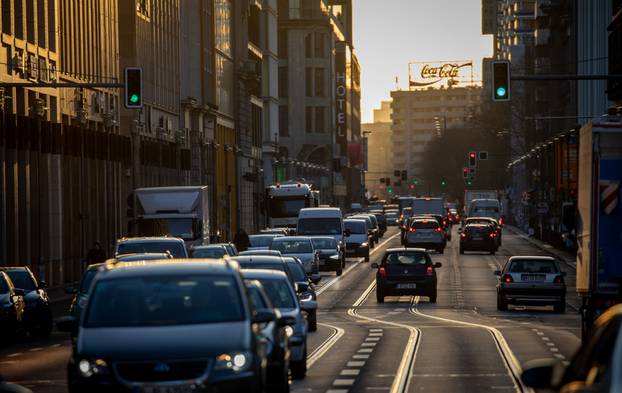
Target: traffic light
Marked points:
500	81
443	182
133	88
404	175
412	186
415	181
390	190
472	159
469	182
465	172
396	173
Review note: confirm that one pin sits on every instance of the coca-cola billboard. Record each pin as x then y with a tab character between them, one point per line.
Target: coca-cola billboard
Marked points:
452	73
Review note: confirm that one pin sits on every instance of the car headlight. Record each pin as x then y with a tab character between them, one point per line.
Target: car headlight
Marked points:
89	368
364	244
289	331
306	297
334	257
235	361
82	301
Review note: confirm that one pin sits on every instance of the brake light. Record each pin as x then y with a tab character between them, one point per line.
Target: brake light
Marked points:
444	222
382	272
429	271
403	226
492	235
507	278
559	280
457	216
412	230
463	235
501	221
438	230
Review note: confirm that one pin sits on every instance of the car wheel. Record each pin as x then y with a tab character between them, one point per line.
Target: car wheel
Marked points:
432	296
313	321
560	306
502	305
339	270
379	296
492	252
299	368
441	250
367	256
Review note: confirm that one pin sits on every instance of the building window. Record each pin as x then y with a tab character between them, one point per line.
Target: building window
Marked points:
307	8
30	17
283	81
309	46
6	16
294	9
41	24
309	82
224	84
309	119
222	16
52	25
320	119
319	82
18	15
283	120
143	8
282	44
320	51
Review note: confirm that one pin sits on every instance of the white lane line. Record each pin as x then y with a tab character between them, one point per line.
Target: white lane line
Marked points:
509	359
360	356
343	382
337	391
368	339
36	349
54	346
402	376
559	356
14	355
376	330
368	344
326	345
365	350
349	373
355	363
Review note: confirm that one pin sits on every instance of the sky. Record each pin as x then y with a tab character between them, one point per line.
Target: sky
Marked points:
388	34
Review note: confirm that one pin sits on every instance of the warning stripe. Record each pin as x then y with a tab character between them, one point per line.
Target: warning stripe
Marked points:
609	196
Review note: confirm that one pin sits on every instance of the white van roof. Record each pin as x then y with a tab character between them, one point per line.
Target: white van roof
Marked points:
320	212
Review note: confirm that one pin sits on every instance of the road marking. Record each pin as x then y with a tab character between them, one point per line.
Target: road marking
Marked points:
14	355
366	344
349	372
355	363
372	339
363	356
365	350
343	382
36	349
509	359
54	346
326	345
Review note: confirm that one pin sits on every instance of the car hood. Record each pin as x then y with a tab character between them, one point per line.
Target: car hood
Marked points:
258	248
326	252
166	342
305	258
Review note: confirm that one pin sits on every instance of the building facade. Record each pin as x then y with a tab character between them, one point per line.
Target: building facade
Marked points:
380	151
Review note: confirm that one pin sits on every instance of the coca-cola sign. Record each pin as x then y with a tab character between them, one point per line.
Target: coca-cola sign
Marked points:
429	73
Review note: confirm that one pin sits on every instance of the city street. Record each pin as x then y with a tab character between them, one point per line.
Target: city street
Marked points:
460	344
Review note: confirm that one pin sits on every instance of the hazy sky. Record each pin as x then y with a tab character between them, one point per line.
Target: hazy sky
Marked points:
388	34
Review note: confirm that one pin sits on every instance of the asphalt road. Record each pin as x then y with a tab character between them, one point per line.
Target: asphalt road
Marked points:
460	344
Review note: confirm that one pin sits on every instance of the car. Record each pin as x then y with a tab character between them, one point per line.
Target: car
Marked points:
305	288
595	367
426	233
487	220
442	222
531	280
478	237
230	247
374	224
12	307
370	227
403	222
331	254
261	241
276	231
321	221
358	241
148	256
37	320
159	244
392	217
382	221
268	262
406	272
81	292
276	336
300	247
168	326
214	251
271	253
283	297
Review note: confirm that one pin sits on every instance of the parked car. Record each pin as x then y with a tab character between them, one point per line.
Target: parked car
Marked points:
300	247
37	319
276	336
305	288
332	255
531	280
142	245
595	367
478	237
281	292
406	272
168	326
213	251
426	233
262	241
12	307
357	243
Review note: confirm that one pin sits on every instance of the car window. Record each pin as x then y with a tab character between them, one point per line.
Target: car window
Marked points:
533	266
21	279
292	246
356	227
256	298
263	265
261	240
324	243
87	279
162	301
319	226
279	293
175	248
213	252
477	230
431	224
4	287
406	258
297	271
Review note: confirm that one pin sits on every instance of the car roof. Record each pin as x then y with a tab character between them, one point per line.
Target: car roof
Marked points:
357	219
167	267
150	239
288	238
7	268
321	237
481	218
531	257
254	274
142	256
258	258
398	249
221	246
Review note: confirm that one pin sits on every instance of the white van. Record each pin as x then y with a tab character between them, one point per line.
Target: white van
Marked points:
485	208
321	221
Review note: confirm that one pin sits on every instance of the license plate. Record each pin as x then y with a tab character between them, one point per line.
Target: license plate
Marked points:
406	286
167	389
533	277
478	238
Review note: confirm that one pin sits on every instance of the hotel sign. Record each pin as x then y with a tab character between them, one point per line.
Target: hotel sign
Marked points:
424	74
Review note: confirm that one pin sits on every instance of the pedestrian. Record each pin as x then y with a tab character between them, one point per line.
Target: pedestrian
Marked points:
241	240
96	254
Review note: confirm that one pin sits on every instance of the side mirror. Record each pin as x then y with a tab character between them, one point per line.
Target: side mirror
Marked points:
498	273
18	292
309	305
67	324
71	290
286	321
438	264
42	285
316	278
375	265
301	287
263	316
539	374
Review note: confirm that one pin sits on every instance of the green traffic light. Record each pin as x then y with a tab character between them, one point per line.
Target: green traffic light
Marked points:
390	190
134	98
501	92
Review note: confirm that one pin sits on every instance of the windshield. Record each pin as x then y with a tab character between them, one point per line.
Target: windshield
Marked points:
257	298
261	240
425	224
21	279
279	293
356	227
87	279
178	227
283	208
297	271
319	226
292	246
212	252
263	265
164	301
325	244
527	266
176	249
406	258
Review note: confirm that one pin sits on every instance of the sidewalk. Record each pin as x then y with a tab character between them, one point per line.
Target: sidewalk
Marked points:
566	257
58	295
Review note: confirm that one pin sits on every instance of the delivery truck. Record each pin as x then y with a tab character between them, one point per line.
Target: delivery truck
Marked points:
599	220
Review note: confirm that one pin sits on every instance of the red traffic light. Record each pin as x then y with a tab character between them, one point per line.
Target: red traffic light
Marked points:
471	155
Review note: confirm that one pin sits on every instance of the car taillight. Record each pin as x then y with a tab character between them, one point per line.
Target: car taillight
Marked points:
444	222
559	280
492	235
507	278
438	230
463	235
412	230
429	271
501	221
382	272
403	226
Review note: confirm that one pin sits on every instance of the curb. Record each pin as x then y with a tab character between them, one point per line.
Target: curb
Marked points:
552	251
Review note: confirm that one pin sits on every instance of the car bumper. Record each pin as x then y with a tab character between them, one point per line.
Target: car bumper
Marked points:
429	244
478	246
328	264
357	251
526	294
297	348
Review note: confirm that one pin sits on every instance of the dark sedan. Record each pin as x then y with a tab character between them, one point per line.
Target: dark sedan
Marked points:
38	319
305	289
478	237
11	307
406	272
168	326
332	255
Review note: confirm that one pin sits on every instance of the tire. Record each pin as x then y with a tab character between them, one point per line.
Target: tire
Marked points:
339	270
441	250
502	305
492	252
312	321
282	385
461	250
299	368
367	256
379	296
432	296
560	306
